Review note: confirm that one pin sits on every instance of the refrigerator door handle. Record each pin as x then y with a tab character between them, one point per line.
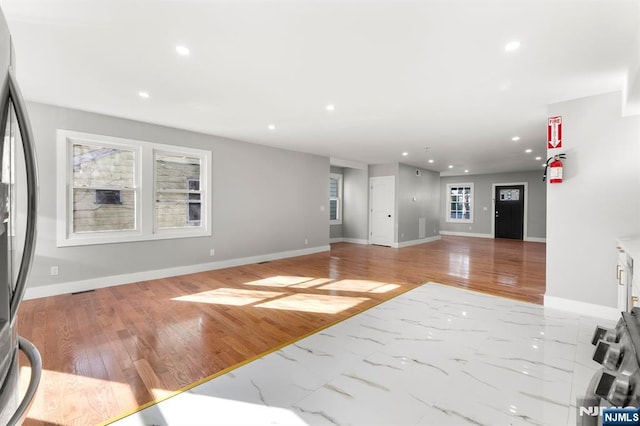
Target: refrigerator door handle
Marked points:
32	191
36	372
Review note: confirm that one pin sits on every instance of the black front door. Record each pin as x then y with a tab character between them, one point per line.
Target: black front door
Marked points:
509	211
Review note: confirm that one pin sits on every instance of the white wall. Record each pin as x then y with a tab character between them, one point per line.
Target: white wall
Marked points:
265	201
598	201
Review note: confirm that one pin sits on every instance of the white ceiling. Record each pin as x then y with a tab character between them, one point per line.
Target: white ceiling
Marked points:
403	75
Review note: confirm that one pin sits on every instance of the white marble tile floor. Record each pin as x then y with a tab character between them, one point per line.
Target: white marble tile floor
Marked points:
436	355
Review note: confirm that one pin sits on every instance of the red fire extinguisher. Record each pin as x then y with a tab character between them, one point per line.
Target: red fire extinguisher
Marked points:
554	167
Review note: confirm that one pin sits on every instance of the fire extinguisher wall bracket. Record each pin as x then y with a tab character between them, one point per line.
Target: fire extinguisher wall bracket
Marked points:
554	168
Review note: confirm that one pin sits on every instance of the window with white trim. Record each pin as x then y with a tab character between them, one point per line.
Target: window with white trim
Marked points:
103	187
335	199
117	190
460	202
177	191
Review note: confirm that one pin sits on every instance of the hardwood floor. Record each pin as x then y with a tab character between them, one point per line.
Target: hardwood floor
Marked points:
111	350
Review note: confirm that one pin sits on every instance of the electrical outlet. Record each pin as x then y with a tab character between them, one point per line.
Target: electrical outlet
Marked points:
54	270
212	252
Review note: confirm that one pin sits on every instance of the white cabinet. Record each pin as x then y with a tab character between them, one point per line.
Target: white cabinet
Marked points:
628	287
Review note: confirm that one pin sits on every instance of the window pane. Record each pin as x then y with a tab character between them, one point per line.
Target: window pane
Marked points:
460	203
194	213
333	209
172	210
103	198
176	172
193	184
96	166
333	187
178	195
91	216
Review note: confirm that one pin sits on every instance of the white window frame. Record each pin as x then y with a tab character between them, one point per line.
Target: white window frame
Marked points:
144	185
337	221
471	202
190	201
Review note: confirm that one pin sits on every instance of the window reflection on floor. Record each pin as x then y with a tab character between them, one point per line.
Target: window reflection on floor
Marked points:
459	265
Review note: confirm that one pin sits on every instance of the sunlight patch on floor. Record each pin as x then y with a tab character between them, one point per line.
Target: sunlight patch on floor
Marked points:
50	408
285	281
229	296
319	303
360	286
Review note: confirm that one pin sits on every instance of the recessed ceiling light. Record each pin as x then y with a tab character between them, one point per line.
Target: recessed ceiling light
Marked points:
538	158
512	45
182	50
272	127
544	164
331	107
466	171
144	95
515	138
431	160
404	154
451	166
528	150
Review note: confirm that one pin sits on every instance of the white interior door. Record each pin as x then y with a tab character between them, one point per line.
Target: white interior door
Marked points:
382	212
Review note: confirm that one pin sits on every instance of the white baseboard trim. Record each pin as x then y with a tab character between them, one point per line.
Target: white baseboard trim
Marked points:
536	239
416	242
465	234
355	241
582	308
471	234
95	283
349	240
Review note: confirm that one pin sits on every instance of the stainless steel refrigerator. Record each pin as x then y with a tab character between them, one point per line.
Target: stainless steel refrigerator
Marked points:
18	212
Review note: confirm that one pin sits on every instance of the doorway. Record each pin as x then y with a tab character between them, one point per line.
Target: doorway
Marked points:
509	211
382	211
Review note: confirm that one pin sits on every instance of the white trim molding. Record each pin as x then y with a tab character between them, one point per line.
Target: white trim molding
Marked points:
582	308
349	240
113	280
471	202
339	162
466	234
416	242
535	239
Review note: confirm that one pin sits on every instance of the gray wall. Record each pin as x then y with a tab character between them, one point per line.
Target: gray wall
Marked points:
355	221
598	202
378	170
483	198
426	190
265	200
